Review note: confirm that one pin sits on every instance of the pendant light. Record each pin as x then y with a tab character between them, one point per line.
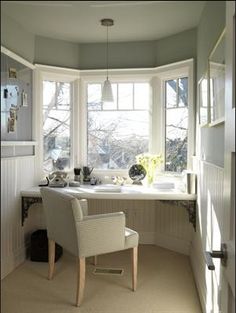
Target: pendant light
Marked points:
107	95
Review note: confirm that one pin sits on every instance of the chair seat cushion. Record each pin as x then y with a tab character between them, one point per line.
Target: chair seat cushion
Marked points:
131	238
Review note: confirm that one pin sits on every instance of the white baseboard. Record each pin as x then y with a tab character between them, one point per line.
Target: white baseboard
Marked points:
12	261
173	244
198	265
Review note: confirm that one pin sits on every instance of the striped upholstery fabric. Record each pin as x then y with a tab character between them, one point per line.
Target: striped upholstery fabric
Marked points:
69	225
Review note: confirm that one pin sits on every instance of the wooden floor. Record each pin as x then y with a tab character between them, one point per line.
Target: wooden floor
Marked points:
165	285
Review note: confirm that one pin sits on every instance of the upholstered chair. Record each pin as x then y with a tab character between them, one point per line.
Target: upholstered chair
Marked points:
83	235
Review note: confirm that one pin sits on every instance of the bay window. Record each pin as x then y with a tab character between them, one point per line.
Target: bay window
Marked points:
152	112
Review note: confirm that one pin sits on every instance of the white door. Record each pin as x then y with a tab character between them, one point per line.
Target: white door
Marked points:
228	234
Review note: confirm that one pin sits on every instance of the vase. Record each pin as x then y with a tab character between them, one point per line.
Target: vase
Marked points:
148	180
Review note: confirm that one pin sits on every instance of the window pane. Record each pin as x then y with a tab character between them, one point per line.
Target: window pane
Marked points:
203	101
125	96
49	91
212	101
171	94
63	94
176	139
94	96
111	105
56	125
115	138
141	96
183	92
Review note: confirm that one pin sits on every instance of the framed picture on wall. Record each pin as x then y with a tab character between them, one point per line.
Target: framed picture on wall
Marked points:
203	103
217	82
12	72
24	102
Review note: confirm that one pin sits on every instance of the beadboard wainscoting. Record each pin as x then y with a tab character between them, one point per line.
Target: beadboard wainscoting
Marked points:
173	230
17	173
157	222
140	215
210	207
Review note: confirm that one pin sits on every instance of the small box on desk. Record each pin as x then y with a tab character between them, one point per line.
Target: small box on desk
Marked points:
39	247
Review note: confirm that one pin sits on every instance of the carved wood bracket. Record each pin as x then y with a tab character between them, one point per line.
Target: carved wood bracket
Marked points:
26	202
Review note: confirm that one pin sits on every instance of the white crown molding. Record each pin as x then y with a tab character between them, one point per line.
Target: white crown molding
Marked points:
16	57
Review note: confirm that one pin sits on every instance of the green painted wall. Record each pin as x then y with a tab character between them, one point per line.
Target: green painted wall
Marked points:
54	52
121	55
17	39
177	47
210	27
38	49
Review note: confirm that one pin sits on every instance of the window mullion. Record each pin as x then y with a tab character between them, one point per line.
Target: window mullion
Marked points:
177	92
133	97
118	97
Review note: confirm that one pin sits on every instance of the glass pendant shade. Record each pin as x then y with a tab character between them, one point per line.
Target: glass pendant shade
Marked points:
107	95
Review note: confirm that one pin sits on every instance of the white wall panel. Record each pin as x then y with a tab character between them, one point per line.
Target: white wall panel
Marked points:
16	174
173	230
156	222
207	237
140	215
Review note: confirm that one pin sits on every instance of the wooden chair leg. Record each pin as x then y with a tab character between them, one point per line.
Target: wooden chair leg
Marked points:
80	281
51	258
95	260
134	267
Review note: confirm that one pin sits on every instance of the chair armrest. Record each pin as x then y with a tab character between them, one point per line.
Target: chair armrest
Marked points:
84	206
102	233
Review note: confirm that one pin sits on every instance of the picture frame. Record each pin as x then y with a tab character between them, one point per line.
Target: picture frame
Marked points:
12	73
24	100
203	100
216	66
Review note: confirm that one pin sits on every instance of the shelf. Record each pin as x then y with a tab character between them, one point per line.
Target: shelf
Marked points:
18	143
217	122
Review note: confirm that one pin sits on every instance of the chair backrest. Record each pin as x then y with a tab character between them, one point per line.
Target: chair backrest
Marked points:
61	212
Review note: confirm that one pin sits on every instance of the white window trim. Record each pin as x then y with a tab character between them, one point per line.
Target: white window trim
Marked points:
128	78
181	71
43	72
156	77
16	57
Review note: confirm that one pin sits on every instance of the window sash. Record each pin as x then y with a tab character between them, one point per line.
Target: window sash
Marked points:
118	111
68	117
176	107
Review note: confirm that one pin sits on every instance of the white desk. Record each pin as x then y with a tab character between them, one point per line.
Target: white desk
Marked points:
129	192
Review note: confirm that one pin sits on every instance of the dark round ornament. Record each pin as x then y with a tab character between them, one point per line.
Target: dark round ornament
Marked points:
137	172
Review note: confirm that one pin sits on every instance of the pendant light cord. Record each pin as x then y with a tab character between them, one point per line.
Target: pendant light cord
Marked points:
107	52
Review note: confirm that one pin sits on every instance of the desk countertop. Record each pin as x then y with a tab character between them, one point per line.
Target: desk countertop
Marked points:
127	192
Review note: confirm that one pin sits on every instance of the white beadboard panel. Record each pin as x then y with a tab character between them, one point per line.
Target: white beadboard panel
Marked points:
207	236
16	174
199	268
156	222
173	230
140	215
